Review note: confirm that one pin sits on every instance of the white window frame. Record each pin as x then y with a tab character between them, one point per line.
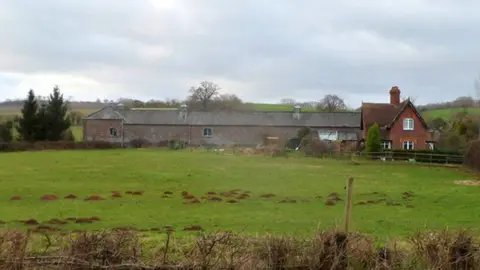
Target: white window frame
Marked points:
113	132
431	145
387	145
207	134
408	124
408	143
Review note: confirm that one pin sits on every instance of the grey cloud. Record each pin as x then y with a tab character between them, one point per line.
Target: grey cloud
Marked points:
273	48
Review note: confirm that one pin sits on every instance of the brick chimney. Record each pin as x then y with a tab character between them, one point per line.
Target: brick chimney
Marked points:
395	95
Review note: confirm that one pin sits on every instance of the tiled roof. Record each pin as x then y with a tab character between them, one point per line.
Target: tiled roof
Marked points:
228	118
381	113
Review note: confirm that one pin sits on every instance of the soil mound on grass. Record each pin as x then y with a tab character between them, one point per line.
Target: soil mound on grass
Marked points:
83	220
94	198
116	195
330	202
56	221
168	193
15	198
48	197
140	192
288	201
194	201
70	197
215	199
468	183
193	228
267	195
211	193
2	222
71	219
129	192
30	222
188	197
95	218
232	201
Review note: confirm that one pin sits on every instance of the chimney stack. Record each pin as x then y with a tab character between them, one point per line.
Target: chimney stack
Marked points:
395	96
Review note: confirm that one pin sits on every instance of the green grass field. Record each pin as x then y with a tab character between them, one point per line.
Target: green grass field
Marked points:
437	202
448	113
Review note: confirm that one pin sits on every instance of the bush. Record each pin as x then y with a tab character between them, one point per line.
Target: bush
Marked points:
427	156
176	145
60	145
472	157
316	148
139	143
67	135
293	143
373	143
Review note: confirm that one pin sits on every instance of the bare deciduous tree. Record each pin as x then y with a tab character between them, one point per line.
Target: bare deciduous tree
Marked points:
331	103
204	93
289	101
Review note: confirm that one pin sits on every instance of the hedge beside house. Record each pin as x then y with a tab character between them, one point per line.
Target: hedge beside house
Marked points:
427	156
472	156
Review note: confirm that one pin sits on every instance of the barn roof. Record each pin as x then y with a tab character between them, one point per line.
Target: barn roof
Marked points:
230	118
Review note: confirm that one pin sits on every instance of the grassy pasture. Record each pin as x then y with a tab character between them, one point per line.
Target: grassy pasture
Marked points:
448	113
437	202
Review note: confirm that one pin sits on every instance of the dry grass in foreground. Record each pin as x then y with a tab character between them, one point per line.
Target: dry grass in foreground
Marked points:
129	249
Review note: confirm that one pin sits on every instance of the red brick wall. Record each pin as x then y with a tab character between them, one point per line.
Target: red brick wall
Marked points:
418	135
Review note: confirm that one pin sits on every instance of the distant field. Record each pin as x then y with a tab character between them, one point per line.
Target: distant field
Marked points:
448	113
299	188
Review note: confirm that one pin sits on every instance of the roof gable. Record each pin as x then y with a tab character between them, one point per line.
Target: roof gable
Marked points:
386	114
407	104
106	113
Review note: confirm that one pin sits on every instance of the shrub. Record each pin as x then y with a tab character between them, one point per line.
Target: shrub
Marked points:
176	144
472	156
138	143
67	135
427	156
60	145
293	143
373	143
303	132
316	148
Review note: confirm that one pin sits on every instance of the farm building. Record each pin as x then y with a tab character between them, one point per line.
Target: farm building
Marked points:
245	128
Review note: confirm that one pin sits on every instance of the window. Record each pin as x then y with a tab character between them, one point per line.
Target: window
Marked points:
387	144
430	145
408	145
113	132
207	132
408	124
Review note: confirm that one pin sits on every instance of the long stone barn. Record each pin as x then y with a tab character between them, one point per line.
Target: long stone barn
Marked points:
202	128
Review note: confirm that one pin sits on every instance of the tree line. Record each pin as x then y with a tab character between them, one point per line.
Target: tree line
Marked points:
207	97
45	121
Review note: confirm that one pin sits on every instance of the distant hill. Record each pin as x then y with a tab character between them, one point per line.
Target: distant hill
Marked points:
448	113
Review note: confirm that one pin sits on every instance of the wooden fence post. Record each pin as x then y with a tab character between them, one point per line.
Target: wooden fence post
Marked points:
348	204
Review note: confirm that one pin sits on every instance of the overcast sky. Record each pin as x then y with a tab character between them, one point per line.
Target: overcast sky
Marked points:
259	50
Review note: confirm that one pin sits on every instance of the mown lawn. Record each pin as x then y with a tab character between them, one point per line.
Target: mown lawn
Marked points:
437	201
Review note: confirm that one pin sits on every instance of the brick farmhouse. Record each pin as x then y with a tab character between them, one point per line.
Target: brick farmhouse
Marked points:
250	128
401	125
